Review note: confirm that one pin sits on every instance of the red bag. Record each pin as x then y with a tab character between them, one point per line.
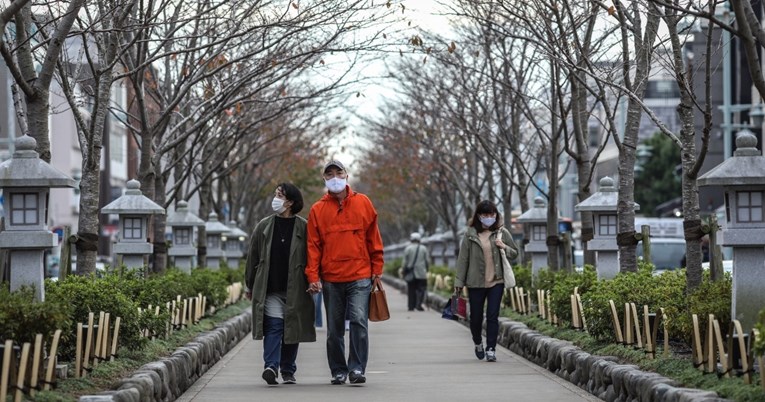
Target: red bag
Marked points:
459	306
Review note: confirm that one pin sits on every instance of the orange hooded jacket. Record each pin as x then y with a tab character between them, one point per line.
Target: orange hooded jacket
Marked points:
344	242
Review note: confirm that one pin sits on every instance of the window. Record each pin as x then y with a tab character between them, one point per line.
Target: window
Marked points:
607	225
232	244
132	228
538	232
24	209
182	236
749	206
213	241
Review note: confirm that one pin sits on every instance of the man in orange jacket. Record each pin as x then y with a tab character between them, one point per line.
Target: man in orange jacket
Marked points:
345	254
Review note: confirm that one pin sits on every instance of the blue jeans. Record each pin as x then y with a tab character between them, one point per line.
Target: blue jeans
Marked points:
277	354
492	297
351	298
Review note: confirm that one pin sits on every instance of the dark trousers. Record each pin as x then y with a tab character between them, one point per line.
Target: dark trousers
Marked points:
415	291
492	298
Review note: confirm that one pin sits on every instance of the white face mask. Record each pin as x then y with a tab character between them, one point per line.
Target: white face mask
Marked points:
487	222
277	204
335	184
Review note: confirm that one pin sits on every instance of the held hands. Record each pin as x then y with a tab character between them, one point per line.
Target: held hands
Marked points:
458	290
314	288
248	294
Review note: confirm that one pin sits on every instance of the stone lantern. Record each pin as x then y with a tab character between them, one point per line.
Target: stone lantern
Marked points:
133	209
743	179
234	242
182	223
602	204
536	218
26	181
216	236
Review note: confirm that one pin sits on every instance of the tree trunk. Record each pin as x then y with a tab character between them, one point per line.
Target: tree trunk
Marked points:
160	224
38	112
204	212
88	227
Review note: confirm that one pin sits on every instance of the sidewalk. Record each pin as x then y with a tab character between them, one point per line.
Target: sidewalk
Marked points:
415	356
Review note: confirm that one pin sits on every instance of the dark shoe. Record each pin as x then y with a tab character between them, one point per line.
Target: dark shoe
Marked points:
357	377
288	378
491	355
479	352
338	379
419	308
269	375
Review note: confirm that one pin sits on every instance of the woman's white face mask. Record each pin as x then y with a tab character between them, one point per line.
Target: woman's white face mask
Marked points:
277	204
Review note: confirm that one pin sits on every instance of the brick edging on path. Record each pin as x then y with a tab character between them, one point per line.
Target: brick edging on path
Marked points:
601	376
168	378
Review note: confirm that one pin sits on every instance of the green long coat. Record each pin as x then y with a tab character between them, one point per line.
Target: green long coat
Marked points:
471	266
299	312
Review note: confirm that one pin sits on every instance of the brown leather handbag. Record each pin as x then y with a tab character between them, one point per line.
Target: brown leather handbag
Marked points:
378	304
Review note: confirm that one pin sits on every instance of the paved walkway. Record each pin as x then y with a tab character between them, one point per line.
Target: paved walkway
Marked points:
415	356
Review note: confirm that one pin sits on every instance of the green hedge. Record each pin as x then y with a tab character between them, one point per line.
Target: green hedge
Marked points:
119	292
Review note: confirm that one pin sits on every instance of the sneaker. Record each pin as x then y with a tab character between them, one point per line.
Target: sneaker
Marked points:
479	352
269	375
491	355
288	378
357	377
338	379
419	308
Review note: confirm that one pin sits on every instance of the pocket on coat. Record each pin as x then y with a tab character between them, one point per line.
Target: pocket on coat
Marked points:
347	241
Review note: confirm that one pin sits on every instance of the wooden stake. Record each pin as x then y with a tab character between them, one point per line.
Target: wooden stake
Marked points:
581	311
709	346
36	356
636	322
5	374
99	339
104	349
616	323
649	342
78	352
88	341
115	337
22	372
627	325
52	358
697	348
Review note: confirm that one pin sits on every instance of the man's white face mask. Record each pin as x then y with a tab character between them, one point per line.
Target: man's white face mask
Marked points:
335	184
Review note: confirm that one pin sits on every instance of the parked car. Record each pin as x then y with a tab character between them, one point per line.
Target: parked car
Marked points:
666	252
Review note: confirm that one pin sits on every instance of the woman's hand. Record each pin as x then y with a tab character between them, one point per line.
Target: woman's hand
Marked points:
458	290
498	241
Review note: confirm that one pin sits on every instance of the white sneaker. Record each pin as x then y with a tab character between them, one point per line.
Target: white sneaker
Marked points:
491	355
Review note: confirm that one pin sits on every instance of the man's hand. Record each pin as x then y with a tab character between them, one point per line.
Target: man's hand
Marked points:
376	277
458	290
314	288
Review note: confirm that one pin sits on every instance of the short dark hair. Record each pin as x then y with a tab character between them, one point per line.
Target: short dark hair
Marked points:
485	207
292	193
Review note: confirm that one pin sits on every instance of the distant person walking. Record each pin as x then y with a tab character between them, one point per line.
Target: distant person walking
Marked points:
416	264
479	268
345	254
282	310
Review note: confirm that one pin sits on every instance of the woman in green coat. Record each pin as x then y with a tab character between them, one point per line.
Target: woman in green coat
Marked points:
479	268
282	311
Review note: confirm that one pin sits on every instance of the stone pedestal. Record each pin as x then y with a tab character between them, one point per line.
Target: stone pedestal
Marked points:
748	294
31	275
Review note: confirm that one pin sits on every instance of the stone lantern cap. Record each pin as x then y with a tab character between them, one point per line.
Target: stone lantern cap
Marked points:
26	169
604	200
235	231
133	202
213	226
183	217
537	214
745	168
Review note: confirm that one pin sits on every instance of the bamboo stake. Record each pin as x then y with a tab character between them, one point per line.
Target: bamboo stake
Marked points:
627	325
710	346
115	338
647	327
22	372
52	358
78	353
697	348
105	341
617	324
36	356
99	339
636	322
88	340
4	376
581	311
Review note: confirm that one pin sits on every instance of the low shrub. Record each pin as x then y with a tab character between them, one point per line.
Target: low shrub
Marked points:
23	317
391	267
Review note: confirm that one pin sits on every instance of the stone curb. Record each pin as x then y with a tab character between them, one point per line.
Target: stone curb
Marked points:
601	376
168	378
